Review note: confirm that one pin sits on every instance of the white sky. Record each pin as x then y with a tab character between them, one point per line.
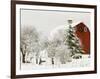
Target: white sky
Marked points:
46	21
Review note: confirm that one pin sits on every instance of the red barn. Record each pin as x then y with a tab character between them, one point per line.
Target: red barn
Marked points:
83	33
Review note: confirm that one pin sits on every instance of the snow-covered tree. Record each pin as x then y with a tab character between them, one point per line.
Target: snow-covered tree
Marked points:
28	42
51	51
72	41
63	53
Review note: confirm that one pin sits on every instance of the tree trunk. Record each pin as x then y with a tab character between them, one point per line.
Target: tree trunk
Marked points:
23	55
52	61
23	58
36	60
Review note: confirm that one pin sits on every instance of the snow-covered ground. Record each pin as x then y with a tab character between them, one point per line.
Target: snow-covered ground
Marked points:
84	62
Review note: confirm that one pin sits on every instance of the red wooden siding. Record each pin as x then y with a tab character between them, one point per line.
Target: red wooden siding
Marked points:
83	34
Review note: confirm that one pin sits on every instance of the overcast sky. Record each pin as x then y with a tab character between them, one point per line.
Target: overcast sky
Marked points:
46	21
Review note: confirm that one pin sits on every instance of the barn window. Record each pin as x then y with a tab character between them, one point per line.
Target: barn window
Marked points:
80	29
85	29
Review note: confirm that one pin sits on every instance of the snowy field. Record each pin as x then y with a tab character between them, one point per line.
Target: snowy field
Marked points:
83	62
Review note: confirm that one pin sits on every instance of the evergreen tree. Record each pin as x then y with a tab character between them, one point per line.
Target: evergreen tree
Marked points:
72	41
